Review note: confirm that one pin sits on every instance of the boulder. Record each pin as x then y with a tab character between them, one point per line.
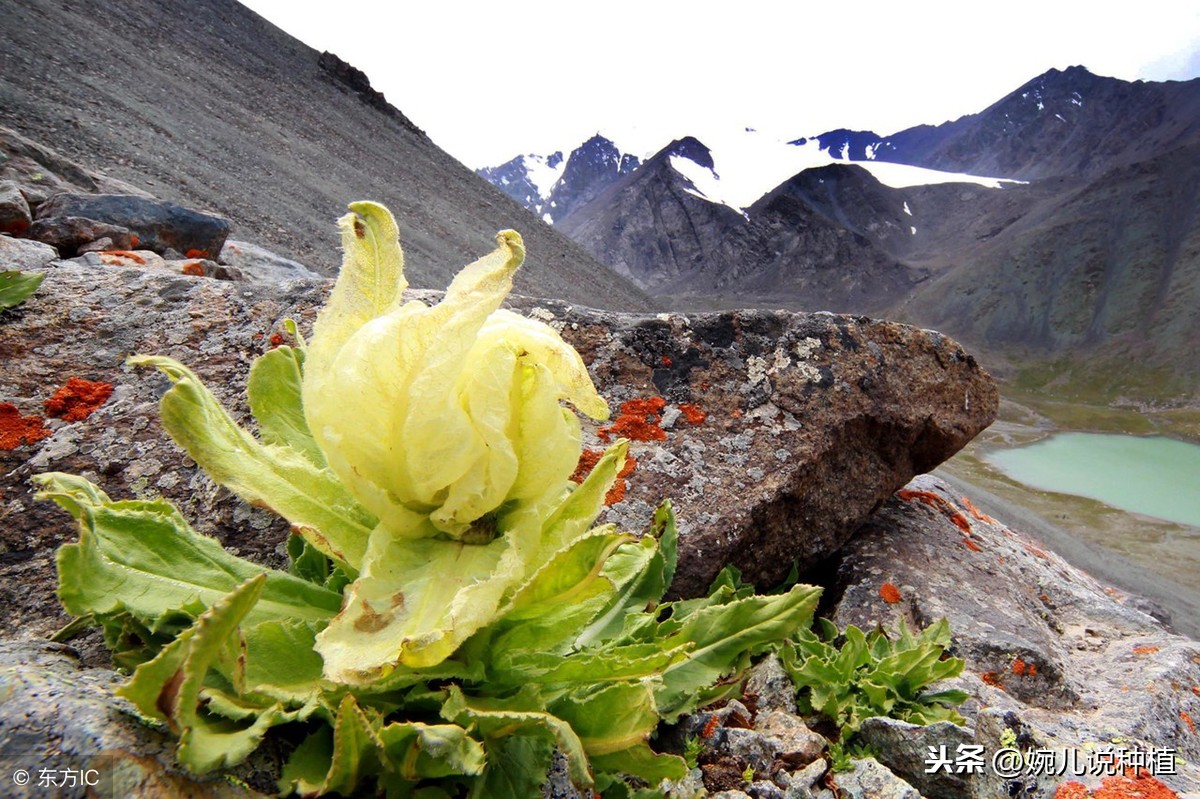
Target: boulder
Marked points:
22	254
1059	660
157	224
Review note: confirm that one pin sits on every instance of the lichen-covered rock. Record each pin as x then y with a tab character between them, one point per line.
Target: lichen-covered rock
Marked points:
156	224
1059	660
41	172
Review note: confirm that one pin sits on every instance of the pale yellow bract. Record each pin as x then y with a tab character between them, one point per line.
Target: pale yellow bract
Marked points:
446	423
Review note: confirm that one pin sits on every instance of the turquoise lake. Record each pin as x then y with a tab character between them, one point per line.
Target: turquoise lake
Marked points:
1151	475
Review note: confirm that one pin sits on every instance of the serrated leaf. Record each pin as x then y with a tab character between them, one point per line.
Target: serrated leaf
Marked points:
143	558
277	477
16	286
496	719
722	635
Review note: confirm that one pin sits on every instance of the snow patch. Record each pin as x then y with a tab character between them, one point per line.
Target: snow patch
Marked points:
907	210
547	219
913	229
541	174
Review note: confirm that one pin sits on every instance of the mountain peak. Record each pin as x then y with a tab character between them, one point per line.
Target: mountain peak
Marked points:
691	148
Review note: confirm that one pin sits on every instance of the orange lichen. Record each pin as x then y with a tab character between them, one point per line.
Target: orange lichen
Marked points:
1071	790
976	512
666	361
971	545
617	492
78	399
710	727
1191	724
692	412
587	461
1196	690
1145	650
938	503
134	240
889	593
276	339
193	268
194	253
16	429
1018	667
736	413
118	257
1037	553
638	421
1134	784
1031	670
993	679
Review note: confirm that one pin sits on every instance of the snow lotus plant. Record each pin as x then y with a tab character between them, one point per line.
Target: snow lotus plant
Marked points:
450	616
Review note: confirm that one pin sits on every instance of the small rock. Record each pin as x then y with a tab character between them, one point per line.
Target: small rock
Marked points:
870	779
904	748
70	234
771	686
203	267
260	265
794	742
15	216
157	224
24	254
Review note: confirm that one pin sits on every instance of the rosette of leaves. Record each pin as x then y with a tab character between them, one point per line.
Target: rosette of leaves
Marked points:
451	614
852	676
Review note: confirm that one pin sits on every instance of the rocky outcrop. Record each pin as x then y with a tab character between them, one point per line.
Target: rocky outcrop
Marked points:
1060	661
774	434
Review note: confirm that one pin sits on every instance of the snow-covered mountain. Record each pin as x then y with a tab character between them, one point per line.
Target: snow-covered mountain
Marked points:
1061	222
552	186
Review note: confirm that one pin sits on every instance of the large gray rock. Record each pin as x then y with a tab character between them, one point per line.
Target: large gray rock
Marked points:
158	225
811	420
39	171
1057	659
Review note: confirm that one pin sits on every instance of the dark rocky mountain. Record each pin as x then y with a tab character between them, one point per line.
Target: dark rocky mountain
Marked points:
655	228
207	104
553	187
515	178
1068	122
590	169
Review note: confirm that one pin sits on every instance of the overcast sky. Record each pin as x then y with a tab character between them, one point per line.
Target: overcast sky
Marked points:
487	85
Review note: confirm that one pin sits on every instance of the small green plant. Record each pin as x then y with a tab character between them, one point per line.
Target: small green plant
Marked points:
450	616
850	677
693	747
16	286
748	775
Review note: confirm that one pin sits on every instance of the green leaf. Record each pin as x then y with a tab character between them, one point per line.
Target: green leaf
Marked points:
723	635
273	390
143	558
277	477
16	286
496	719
